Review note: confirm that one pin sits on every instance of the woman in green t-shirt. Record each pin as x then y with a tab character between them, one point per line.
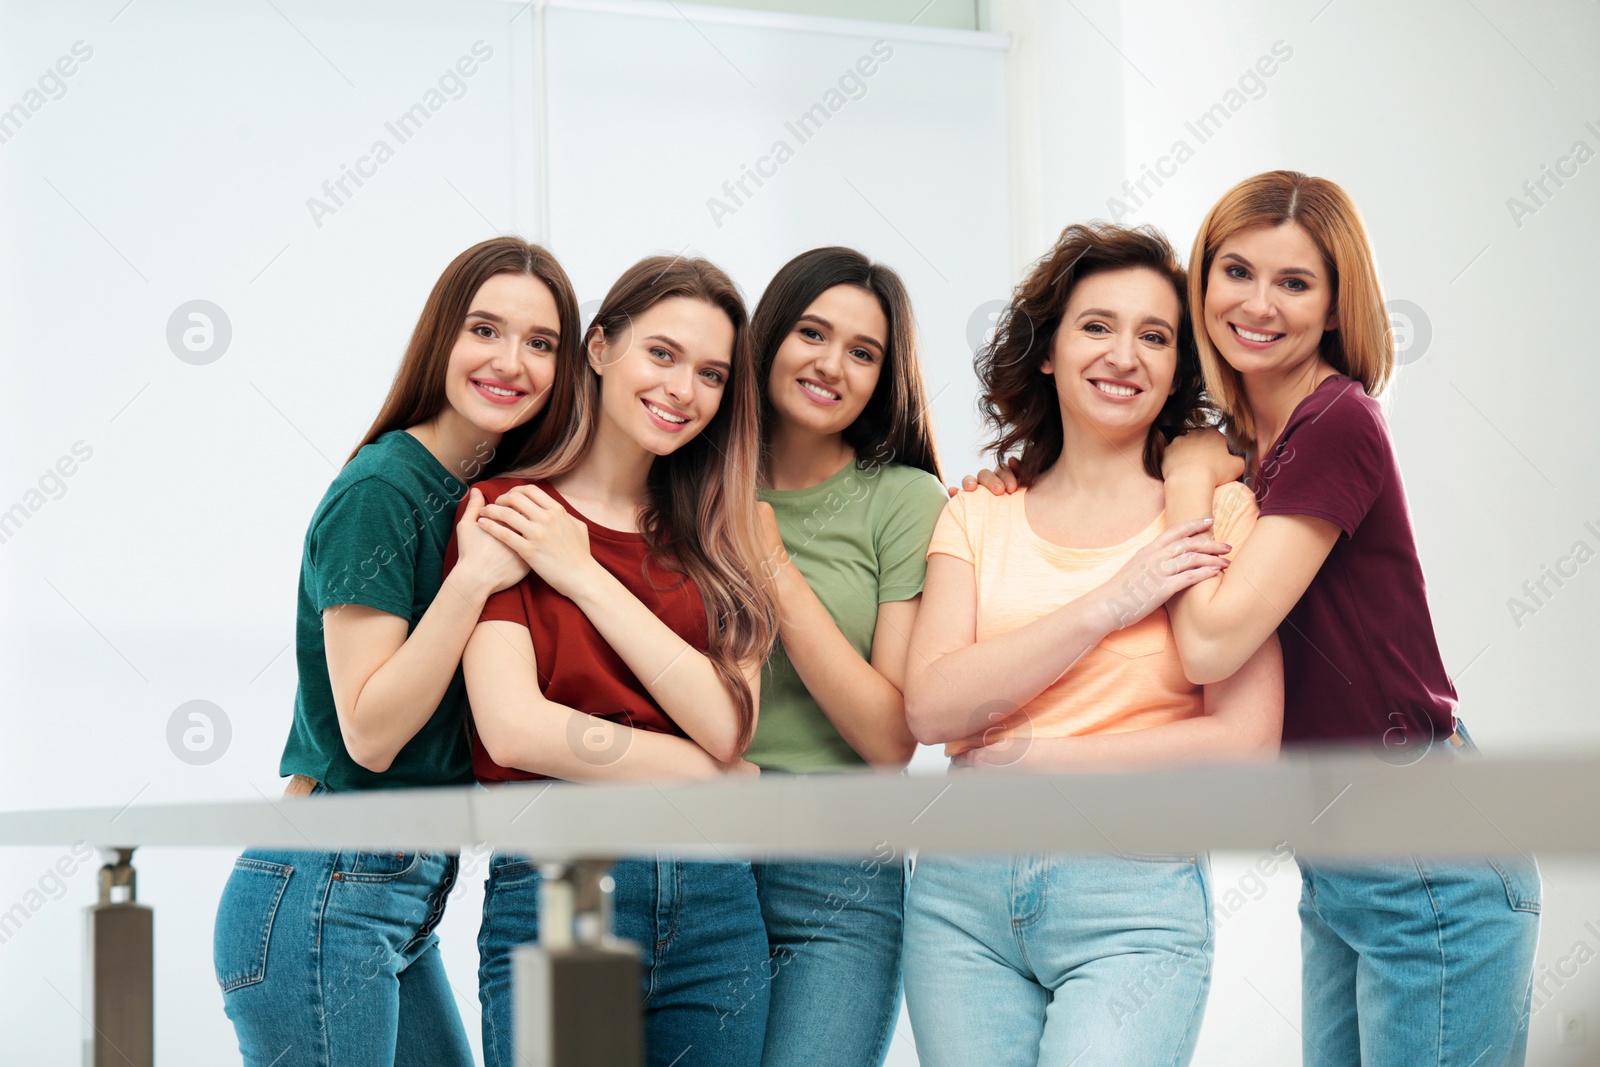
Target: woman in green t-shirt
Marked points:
355	977
850	494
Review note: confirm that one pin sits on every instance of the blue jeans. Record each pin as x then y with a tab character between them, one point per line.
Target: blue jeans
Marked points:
1093	961
329	959
702	954
1417	961
833	931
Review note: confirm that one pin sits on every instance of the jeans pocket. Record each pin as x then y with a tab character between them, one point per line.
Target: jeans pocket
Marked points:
379	866
1162	857
1521	878
504	866
244	921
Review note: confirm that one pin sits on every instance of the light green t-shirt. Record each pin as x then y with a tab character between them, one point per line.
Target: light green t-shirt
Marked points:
860	538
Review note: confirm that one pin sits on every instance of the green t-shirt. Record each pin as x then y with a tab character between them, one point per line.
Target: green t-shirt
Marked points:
377	539
860	538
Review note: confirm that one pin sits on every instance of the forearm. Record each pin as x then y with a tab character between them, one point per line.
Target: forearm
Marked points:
401	696
954	695
545	737
681	679
1201	631
1242	719
864	706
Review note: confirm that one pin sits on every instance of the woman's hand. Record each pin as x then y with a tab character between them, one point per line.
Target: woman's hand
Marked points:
774	556
1000	481
741	768
481	557
553	544
1178	558
1201	451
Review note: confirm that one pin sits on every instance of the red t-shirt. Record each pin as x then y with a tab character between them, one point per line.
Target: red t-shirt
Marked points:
576	666
1360	660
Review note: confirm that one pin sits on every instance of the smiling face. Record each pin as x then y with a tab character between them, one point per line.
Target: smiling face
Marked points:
1115	353
827	367
1269	298
504	358
662	378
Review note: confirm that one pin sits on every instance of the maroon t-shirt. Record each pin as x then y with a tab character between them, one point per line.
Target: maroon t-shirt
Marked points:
576	666
1360	659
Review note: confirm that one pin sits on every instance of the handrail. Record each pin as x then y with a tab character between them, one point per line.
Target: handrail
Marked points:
1346	803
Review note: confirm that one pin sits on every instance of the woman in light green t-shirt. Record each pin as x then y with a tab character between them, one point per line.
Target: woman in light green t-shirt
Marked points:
850	494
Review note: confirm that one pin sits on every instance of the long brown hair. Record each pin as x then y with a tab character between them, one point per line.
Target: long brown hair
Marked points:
896	424
1362	347
700	516
1019	401
418	392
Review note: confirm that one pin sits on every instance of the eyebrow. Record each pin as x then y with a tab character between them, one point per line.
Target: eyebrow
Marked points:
826	325
1287	270
497	320
1107	313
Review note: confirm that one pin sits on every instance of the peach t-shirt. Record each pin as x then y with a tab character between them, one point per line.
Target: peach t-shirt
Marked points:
1129	681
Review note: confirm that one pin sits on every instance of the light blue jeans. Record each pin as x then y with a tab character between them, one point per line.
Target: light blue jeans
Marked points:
1418	961
833	931
1046	961
329	959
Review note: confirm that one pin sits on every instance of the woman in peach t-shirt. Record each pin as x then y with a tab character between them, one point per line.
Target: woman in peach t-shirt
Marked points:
1044	645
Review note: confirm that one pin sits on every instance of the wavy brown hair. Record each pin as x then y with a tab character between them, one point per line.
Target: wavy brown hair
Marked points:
700	517
418	391
1362	347
896	423
1019	401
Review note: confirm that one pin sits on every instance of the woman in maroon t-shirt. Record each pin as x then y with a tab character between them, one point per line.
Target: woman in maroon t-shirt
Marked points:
601	664
1404	962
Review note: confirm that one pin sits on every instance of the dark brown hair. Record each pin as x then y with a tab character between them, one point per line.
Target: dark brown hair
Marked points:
418	392
895	425
1019	401
700	519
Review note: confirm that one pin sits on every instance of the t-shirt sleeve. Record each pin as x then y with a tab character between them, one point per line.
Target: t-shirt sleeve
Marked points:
1332	465
1233	507
950	533
362	550
907	526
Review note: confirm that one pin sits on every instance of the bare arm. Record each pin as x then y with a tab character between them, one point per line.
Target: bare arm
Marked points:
521	729
862	700
953	680
1219	623
387	685
1243	720
681	679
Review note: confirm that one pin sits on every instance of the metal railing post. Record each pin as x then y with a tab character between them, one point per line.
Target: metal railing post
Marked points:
577	991
119	970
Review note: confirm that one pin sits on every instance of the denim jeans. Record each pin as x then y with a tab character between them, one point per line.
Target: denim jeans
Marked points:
1417	961
702	954
833	931
1093	961
329	959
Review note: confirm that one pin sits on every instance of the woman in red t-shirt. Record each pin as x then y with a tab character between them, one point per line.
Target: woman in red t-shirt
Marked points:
1405	962
601	665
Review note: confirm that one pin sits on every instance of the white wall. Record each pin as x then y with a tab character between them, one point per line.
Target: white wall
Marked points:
1432	115
183	159
176	163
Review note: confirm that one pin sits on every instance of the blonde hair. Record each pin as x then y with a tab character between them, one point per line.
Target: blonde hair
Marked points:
1362	347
